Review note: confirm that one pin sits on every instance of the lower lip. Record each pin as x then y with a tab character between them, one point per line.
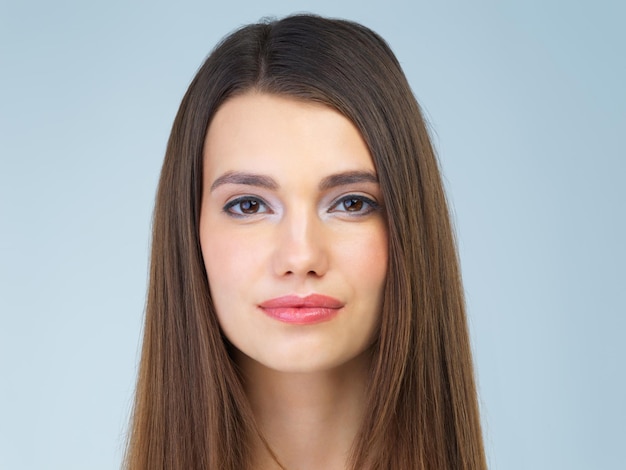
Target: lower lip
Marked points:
301	315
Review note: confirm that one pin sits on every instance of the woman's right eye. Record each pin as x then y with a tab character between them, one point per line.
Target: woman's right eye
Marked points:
246	205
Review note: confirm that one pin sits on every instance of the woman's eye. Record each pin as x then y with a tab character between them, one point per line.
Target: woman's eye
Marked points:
354	204
245	205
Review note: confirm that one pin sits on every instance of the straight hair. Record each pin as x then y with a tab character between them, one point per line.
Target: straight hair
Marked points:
190	410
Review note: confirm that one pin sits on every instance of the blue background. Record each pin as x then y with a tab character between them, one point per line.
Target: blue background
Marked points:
527	105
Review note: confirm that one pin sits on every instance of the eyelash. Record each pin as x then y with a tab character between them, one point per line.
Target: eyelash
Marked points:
370	203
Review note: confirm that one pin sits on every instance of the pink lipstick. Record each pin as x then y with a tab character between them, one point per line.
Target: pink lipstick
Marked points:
314	308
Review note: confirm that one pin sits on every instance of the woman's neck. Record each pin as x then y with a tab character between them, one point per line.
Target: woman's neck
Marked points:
308	420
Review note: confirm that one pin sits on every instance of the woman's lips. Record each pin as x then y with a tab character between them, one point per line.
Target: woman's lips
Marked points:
314	308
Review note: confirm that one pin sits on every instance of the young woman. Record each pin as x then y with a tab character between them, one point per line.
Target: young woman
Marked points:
305	307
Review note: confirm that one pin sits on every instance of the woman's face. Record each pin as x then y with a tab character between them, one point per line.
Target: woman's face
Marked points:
292	232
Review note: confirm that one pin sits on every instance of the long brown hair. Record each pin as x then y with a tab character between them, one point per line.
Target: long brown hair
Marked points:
190	409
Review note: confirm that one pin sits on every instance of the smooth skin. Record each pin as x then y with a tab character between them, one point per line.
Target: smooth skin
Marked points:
291	206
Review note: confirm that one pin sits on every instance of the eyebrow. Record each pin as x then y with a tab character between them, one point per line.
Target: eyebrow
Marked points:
249	179
267	182
346	178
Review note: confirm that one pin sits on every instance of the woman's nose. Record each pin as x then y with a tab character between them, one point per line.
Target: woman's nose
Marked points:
301	246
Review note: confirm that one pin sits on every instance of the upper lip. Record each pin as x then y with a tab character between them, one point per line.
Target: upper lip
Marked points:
296	301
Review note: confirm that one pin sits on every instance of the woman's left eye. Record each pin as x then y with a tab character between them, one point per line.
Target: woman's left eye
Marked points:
354	204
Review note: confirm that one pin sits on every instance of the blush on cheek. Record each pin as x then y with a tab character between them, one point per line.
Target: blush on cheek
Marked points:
230	261
372	253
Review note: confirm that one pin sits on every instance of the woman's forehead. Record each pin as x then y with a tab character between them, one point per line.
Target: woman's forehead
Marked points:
267	133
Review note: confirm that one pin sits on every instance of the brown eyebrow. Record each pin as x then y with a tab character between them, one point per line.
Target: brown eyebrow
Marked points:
250	179
267	182
348	177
